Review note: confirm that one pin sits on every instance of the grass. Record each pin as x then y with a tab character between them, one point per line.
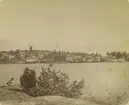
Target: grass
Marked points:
14	96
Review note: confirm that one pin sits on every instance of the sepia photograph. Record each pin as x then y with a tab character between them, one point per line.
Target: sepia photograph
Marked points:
64	52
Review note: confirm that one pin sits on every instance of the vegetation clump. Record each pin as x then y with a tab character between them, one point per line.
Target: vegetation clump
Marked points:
50	82
28	79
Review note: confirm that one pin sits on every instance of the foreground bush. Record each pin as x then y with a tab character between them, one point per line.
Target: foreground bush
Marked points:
28	79
51	82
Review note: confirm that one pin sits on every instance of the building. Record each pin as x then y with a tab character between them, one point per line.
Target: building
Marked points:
5	55
40	53
95	59
78	58
69	58
85	59
11	57
121	60
22	55
31	60
59	58
49	57
30	49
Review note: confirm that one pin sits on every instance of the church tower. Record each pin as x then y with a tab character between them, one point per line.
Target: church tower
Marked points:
30	48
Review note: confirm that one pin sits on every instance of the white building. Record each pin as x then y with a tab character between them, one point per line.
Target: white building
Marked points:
69	58
31	60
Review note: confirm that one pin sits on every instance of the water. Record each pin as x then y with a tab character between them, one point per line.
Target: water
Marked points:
102	80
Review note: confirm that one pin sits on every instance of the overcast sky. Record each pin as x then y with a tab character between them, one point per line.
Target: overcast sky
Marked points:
74	25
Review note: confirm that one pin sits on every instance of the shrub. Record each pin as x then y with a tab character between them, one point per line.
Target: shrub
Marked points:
52	82
28	79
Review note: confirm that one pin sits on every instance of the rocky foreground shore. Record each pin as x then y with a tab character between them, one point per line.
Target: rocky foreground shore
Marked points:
13	95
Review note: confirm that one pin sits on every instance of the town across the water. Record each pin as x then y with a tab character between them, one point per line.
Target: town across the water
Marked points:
46	56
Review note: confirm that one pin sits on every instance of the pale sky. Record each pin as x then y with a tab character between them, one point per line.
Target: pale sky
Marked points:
74	25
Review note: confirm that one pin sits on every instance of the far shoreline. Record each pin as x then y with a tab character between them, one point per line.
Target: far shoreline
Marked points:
64	63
